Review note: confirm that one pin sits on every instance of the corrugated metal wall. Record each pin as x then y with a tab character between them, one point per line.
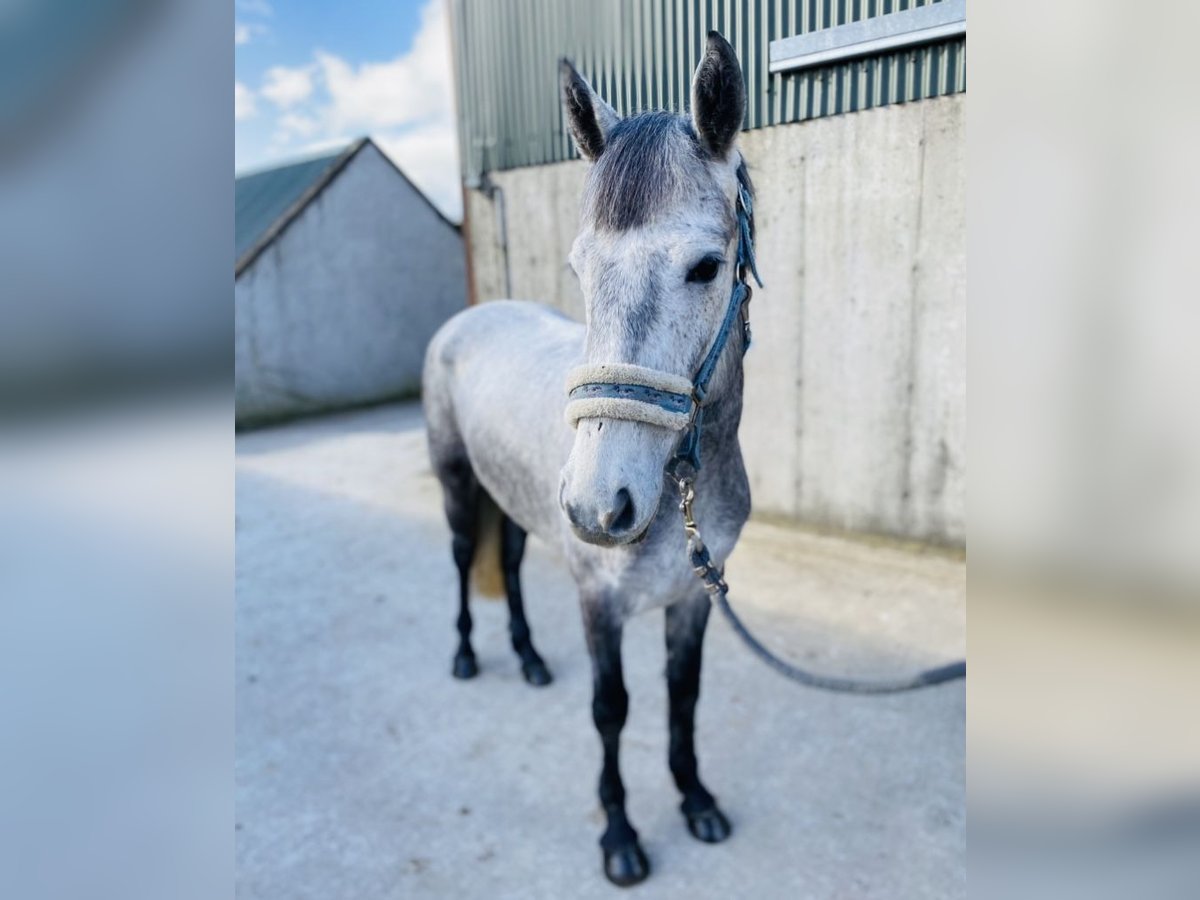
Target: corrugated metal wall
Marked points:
640	54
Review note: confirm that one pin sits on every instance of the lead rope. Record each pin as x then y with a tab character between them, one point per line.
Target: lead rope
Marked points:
686	461
718	590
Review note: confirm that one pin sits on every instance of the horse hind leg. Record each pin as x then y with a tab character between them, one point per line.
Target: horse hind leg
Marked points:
462	497
512	550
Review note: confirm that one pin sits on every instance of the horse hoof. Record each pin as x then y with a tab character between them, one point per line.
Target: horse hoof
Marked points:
709	826
626	866
465	667
537	674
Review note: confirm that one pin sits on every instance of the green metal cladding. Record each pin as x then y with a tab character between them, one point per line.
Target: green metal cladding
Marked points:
640	54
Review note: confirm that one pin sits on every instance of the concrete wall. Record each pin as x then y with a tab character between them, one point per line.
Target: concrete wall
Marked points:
856	383
339	309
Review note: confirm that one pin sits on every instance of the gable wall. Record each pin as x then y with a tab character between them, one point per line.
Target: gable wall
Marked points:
339	309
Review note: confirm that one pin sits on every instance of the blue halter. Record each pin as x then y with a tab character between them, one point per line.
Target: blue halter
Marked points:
689	446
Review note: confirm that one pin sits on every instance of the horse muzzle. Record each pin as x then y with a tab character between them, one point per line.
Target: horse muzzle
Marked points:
612	483
615	525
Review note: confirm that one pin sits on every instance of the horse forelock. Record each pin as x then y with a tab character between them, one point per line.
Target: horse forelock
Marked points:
652	162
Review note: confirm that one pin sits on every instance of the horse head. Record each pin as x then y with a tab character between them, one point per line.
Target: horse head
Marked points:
657	258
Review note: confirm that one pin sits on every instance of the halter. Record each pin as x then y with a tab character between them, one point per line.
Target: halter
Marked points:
640	394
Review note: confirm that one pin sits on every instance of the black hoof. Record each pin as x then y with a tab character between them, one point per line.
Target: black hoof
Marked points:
536	673
709	826
626	866
465	667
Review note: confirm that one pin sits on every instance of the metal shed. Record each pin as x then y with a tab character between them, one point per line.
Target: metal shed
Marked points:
640	54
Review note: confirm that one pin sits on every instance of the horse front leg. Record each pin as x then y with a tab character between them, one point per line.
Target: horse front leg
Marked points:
625	862
685	625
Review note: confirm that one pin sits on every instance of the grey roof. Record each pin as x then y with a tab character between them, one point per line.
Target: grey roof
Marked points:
263	197
265	203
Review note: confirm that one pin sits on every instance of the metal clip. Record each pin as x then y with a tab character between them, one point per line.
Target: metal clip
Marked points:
709	574
687	494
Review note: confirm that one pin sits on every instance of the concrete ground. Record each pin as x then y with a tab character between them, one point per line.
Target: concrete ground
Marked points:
365	771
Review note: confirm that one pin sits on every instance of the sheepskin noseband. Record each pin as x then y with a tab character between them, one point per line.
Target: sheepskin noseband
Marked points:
624	391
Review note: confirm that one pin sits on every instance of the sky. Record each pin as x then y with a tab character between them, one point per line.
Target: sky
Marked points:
313	75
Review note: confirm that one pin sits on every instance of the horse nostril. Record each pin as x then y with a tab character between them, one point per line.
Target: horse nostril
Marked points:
622	516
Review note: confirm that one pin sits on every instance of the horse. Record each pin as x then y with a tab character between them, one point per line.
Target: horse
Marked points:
658	256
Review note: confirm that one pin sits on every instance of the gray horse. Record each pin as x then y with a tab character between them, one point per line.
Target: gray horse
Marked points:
656	258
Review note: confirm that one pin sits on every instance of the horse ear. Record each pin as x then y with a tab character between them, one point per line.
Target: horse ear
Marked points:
718	96
589	117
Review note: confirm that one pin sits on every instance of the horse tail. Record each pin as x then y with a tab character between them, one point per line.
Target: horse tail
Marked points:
487	575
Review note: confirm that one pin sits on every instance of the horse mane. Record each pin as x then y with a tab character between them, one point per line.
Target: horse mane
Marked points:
743	177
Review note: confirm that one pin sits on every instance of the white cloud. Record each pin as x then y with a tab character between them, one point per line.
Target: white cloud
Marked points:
297	124
412	88
245	32
286	87
244	106
405	104
324	145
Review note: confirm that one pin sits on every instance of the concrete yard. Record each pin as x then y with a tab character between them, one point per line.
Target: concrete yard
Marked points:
363	770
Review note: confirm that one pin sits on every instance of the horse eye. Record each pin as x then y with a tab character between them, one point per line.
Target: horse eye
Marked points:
705	270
